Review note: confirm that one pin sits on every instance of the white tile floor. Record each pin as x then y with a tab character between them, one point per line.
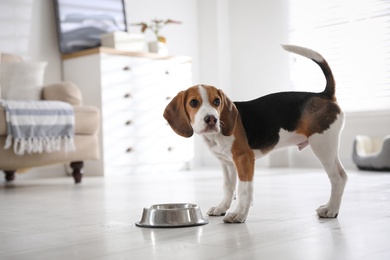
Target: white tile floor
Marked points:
54	219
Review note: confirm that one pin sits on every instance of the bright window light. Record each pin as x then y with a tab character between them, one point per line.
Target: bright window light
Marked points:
354	37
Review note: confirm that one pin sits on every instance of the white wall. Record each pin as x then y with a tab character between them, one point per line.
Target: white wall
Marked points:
28	29
181	39
215	56
240	52
254	65
234	45
259	66
240	46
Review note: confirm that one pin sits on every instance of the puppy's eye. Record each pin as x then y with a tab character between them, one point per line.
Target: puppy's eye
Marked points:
194	103
217	102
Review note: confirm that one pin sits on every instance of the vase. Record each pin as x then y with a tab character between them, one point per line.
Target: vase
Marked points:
158	47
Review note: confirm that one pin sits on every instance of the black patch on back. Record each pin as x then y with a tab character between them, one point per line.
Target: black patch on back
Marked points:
263	118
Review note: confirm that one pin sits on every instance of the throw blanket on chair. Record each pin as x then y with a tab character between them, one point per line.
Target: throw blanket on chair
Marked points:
39	126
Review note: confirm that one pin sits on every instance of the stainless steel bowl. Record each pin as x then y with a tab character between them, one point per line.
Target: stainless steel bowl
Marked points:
172	215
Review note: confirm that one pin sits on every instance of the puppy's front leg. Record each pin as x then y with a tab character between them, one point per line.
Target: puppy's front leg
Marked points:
229	187
245	200
245	167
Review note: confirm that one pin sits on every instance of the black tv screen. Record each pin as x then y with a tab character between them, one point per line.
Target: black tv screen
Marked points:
80	23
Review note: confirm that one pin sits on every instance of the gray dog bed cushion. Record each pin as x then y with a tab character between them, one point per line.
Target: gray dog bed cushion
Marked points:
372	153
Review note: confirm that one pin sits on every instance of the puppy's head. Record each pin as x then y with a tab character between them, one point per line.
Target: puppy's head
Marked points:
201	109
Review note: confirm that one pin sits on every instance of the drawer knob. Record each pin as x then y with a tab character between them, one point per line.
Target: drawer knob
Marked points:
129	122
167	72
127	95
127	68
129	150
168	98
170	149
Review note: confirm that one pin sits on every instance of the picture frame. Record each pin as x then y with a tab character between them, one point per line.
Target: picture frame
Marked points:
80	24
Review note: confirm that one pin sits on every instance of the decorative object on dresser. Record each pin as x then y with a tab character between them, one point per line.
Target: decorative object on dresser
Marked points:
132	90
159	45
131	42
86	119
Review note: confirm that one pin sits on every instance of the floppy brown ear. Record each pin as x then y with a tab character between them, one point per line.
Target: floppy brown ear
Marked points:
228	115
177	117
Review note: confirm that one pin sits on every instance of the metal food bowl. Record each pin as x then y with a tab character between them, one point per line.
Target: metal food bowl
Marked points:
172	215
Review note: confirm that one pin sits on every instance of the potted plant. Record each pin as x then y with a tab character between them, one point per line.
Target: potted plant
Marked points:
159	45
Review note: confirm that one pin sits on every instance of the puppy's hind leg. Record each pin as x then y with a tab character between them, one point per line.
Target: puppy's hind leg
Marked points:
325	146
229	187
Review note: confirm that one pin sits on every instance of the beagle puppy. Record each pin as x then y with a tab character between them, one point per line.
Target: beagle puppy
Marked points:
238	133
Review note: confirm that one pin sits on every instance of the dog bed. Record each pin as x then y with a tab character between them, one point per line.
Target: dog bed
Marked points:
372	153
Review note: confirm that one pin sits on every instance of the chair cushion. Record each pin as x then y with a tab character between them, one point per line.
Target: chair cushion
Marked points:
63	91
87	120
7	58
22	80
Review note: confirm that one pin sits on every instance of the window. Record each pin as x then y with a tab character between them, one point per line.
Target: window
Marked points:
354	37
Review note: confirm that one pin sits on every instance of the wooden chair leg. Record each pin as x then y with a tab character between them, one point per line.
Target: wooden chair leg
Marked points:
9	176
77	171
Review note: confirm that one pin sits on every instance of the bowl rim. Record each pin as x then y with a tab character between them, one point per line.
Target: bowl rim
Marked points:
172	206
187	206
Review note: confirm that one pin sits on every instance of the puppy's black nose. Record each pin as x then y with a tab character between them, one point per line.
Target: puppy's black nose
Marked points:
210	120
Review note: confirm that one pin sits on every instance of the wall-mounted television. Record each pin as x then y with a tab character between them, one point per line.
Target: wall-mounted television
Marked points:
80	23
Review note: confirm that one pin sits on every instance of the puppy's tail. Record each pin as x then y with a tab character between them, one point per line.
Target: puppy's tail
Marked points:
330	89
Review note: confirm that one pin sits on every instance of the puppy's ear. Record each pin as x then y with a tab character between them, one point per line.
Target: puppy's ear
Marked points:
228	115
175	114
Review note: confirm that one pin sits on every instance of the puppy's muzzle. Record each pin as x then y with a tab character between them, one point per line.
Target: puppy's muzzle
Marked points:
211	124
210	120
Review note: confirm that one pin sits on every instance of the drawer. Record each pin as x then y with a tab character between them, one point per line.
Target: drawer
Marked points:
147	100
116	77
115	102
116	93
121	152
110	63
179	69
119	69
123	97
150	123
158	147
153	67
132	151
164	76
177	149
149	79
119	125
126	124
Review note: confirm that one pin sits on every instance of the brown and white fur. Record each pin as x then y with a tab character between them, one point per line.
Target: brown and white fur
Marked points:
238	133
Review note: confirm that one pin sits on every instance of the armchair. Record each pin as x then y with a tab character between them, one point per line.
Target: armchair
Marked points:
87	121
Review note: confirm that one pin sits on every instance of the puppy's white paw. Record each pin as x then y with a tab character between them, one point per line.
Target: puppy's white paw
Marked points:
326	211
238	216
217	211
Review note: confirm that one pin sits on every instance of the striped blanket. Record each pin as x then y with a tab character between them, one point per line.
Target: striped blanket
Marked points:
39	126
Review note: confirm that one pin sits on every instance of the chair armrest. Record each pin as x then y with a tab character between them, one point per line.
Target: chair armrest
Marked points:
63	91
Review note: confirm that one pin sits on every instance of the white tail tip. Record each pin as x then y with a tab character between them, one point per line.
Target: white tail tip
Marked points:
305	52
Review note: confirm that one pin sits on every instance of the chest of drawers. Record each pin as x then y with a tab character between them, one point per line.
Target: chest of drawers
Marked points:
132	93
